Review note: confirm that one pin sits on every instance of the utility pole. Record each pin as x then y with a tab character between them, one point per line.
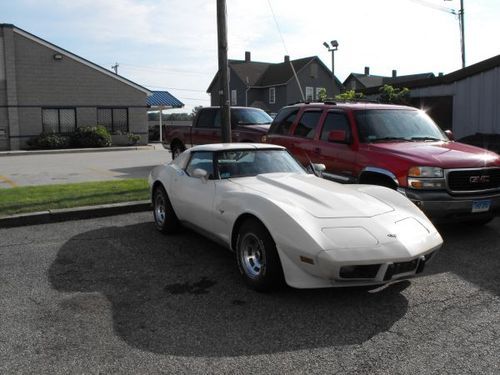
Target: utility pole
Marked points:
462	31
115	67
224	103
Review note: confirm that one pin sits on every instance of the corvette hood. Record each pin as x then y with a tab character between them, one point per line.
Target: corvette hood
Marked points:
319	197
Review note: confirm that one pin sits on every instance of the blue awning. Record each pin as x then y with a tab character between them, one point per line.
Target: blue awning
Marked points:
163	99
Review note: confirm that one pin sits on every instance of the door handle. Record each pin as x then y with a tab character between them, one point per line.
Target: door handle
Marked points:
317	150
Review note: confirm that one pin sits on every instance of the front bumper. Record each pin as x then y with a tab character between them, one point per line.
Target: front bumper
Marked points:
440	206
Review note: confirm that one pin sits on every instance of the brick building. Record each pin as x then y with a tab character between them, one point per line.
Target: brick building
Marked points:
44	88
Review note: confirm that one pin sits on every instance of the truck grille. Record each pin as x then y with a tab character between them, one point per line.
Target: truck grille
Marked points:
474	180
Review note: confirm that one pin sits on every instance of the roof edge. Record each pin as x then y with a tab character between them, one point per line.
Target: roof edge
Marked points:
82	60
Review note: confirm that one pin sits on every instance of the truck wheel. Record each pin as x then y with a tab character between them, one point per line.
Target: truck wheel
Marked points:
258	259
177	149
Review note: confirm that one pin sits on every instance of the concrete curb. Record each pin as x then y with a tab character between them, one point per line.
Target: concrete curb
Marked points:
77	150
77	213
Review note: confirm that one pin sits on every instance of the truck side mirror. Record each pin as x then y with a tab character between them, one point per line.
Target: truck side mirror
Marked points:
449	134
338	136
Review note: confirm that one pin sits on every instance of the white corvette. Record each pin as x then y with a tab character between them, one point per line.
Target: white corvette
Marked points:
287	225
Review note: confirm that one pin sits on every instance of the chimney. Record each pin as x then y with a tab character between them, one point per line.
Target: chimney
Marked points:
367	70
247	56
394	73
440	74
287	59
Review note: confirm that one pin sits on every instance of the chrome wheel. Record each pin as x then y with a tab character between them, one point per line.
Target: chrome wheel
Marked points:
159	209
253	257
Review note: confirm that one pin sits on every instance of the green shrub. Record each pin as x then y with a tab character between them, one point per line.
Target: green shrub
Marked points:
49	141
133	139
92	136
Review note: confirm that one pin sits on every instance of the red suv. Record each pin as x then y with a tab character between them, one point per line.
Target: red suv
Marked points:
398	147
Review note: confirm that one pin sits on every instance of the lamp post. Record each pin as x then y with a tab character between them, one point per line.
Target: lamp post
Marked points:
332	47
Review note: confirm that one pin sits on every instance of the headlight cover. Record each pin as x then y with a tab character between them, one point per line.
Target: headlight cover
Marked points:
426	178
426	172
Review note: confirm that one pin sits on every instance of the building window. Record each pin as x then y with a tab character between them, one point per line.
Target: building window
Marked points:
309	94
58	120
234	97
314	70
272	95
113	119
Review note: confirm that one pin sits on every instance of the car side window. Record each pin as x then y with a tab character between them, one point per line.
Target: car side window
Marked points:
202	160
206	118
283	121
307	124
335	121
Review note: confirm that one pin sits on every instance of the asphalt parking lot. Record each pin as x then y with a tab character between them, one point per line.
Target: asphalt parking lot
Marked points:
111	295
56	168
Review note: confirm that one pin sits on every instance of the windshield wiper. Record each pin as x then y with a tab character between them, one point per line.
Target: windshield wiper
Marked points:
402	139
425	139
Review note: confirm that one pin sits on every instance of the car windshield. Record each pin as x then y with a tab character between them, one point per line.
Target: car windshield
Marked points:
250	116
397	126
245	163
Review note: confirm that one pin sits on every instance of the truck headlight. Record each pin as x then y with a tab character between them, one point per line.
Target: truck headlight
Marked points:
425	178
426	172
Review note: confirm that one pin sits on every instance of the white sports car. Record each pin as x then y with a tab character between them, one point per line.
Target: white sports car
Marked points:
287	225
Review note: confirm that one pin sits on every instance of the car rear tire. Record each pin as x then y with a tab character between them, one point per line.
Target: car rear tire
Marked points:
257	257
165	219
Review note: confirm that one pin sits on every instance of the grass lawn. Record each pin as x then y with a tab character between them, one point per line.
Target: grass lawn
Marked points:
47	197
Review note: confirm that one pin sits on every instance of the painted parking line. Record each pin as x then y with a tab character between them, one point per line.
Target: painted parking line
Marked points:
7	181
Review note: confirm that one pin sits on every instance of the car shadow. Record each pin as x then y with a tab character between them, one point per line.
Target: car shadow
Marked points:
472	253
182	295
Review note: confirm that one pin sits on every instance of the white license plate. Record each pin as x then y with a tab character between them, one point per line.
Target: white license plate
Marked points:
481	206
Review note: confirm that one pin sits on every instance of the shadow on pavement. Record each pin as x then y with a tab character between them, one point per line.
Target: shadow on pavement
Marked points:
471	252
182	295
134	172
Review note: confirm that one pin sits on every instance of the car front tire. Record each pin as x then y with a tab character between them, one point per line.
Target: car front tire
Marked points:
165	219
258	259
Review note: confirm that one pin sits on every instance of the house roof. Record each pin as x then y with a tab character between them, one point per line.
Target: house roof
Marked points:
449	78
262	74
71	55
375	81
163	99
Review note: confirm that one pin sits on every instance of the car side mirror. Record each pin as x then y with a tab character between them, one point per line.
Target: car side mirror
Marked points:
449	134
200	173
338	136
318	169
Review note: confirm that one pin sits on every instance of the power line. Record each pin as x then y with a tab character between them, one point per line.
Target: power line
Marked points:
435	6
149	68
286	49
171	88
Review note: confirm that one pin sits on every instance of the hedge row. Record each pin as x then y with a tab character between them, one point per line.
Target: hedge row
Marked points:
85	137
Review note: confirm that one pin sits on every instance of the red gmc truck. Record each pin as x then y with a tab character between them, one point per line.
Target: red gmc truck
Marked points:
395	146
247	125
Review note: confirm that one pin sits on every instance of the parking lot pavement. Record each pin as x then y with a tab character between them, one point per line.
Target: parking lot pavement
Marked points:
111	295
23	170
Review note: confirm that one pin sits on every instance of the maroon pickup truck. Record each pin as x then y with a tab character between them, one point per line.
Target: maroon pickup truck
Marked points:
247	125
398	147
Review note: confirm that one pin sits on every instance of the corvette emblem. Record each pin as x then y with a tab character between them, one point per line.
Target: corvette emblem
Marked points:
391	235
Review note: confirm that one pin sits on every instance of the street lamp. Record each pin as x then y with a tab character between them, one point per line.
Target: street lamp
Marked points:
332	47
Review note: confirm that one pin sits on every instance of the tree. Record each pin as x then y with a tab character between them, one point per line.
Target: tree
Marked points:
350	95
391	95
195	110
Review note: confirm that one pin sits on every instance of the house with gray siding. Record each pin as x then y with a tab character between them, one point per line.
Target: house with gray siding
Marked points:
270	86
465	101
45	88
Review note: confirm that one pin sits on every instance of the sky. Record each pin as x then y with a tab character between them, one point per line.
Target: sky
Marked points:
172	44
